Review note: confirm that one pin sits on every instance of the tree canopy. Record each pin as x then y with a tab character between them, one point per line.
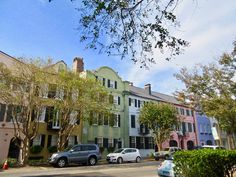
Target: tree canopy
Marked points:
161	118
212	89
133	29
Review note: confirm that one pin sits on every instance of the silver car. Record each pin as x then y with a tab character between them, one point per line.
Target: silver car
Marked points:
82	153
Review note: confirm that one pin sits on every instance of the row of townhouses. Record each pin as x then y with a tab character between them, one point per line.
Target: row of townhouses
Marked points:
195	129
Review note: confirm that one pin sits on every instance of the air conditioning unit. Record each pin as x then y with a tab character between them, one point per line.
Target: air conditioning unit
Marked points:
179	133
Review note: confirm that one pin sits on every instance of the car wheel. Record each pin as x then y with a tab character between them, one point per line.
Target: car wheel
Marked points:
156	158
92	161
119	160
61	162
138	159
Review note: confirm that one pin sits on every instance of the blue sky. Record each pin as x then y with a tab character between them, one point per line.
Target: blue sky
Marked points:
41	29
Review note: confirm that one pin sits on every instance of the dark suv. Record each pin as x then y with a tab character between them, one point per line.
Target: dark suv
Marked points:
81	153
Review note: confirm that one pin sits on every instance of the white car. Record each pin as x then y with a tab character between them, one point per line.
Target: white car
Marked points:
212	147
124	155
166	168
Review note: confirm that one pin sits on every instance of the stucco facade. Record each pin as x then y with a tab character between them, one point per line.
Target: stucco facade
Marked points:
102	133
205	136
47	133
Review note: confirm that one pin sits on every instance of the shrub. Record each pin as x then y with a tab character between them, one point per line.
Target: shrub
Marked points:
52	149
205	163
36	149
110	149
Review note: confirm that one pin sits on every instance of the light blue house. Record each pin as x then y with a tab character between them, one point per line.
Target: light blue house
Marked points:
204	132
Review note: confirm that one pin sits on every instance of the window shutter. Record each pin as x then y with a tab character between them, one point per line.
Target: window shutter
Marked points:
138	142
105	142
118	120
96	140
31	143
115	84
111	99
114	143
146	143
138	103
9	113
132	121
76	142
2	111
103	81
118	100
108	83
135	103
42	140
129	101
49	140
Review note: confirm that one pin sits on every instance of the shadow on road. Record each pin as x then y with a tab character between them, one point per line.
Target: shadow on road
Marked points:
95	174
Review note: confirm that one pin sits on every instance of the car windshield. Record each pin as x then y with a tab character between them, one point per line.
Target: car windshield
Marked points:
166	149
118	150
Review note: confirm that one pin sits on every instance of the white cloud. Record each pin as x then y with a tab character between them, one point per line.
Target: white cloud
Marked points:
210	28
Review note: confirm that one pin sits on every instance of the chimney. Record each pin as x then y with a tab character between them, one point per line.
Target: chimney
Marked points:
147	88
78	65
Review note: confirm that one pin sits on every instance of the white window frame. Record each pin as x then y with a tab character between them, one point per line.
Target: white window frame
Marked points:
56	121
42	114
100	141
116	120
110	142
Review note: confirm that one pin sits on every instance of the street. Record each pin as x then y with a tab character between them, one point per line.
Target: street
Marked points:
143	169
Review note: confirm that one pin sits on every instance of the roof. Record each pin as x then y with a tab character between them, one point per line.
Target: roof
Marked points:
141	92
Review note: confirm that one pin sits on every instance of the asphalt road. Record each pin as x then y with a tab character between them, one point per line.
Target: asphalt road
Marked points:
143	169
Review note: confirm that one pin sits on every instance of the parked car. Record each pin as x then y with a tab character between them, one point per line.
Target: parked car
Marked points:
212	147
124	155
168	152
166	168
82	153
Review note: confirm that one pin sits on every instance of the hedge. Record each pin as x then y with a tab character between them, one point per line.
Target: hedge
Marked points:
205	163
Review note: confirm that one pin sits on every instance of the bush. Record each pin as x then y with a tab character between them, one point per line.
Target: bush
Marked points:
52	149
110	149
205	163
36	149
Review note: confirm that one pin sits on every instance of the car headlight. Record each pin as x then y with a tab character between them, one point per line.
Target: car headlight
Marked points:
54	155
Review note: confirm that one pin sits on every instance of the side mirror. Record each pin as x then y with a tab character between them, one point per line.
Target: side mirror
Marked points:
72	150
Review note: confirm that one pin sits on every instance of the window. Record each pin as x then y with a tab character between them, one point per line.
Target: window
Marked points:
60	93
37	140
132	102
116	120
132	142
183	127
116	100
142	143
54	140
106	120
150	142
182	111
110	142
71	140
190	127
132	121
56	121
139	103
95	118
43	91
187	112
100	142
52	91
42	114
100	119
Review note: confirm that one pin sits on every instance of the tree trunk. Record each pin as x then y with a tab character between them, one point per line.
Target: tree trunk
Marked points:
25	151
